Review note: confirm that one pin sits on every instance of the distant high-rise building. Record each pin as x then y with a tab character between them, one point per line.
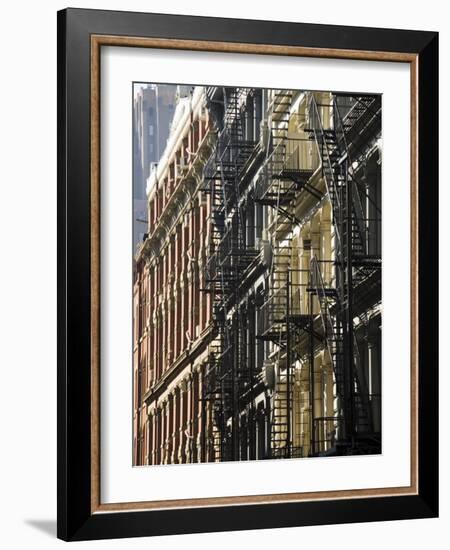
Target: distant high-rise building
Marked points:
154	105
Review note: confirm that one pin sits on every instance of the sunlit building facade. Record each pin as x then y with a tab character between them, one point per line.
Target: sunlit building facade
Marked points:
258	287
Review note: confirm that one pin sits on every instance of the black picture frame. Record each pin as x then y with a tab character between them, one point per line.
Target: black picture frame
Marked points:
76	521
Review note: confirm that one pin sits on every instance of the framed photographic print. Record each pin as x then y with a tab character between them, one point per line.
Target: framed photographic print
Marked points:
247	274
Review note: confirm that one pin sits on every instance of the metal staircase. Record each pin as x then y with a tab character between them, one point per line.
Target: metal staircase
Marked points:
281	181
230	255
281	184
353	263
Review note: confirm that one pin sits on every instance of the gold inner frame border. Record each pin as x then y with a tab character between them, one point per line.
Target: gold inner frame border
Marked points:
97	41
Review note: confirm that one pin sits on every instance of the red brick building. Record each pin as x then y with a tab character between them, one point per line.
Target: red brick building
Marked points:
171	314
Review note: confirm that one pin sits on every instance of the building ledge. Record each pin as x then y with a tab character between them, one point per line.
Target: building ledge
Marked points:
178	365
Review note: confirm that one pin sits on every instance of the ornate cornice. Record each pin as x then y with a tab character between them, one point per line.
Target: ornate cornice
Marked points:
179	201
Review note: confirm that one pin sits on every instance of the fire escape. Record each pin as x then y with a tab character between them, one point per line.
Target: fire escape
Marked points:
327	317
357	266
281	182
227	377
302	312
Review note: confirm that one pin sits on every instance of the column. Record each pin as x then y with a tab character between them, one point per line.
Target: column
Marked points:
189	430
305	413
162	459
182	423
190	277
175	426
164	311
325	243
176	298
304	266
200	411
153	429
319	427
157	447
169	439
374	371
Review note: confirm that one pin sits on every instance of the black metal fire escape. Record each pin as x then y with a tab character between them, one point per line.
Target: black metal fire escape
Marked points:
227	376
281	182
328	320
355	266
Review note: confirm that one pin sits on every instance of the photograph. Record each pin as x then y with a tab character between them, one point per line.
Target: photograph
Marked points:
257	273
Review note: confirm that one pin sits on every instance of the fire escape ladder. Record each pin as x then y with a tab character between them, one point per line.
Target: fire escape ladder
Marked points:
325	140
359	225
363	410
362	122
280	182
338	170
363	117
225	270
336	305
334	334
327	298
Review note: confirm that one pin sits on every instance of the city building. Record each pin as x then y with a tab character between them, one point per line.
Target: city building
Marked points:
279	272
172	315
154	105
